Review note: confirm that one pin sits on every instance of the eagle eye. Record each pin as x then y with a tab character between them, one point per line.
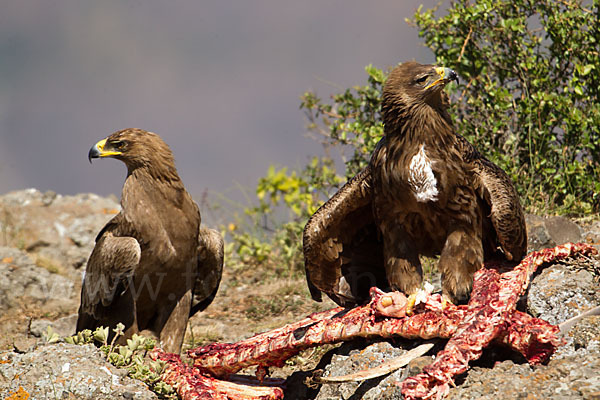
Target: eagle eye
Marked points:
421	79
119	144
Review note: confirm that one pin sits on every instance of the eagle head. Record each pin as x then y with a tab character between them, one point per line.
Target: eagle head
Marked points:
136	148
412	83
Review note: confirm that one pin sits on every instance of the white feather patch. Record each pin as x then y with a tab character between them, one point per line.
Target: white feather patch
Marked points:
421	178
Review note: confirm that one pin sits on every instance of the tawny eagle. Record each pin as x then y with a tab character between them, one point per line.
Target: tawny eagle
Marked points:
153	265
426	191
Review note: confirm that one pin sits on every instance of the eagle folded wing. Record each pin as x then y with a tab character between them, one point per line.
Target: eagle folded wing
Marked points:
141	219
210	268
342	252
112	261
506	213
497	190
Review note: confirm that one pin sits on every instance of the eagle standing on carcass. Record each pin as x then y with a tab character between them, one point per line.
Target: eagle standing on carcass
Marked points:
426	191
153	266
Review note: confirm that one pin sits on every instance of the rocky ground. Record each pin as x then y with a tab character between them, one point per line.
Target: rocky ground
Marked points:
46	238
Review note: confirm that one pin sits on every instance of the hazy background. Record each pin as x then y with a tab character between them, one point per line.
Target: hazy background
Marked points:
219	81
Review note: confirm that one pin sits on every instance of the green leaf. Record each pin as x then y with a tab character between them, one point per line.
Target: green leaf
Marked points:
51	336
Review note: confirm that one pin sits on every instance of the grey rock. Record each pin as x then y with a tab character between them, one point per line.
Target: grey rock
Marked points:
537	235
355	360
24	344
562	230
22	280
591	234
64	326
59	228
586	332
573	377
545	232
67	371
561	292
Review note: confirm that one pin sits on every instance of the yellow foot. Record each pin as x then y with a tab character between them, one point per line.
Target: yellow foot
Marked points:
446	301
410	303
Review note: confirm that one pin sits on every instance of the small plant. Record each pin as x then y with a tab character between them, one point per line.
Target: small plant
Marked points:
49	265
11	232
270	306
203	335
50	336
131	356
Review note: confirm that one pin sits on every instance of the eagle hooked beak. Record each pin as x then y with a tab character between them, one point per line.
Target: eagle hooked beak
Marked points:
445	75
97	151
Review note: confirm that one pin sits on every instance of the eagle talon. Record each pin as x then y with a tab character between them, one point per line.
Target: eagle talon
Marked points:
386	301
411	302
446	301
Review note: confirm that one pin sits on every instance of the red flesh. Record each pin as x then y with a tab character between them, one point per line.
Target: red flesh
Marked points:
190	384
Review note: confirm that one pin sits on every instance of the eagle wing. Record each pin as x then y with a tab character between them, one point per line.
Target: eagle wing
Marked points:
342	251
498	192
113	260
210	268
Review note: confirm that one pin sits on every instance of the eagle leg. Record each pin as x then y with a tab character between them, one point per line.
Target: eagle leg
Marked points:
461	256
410	302
171	334
402	266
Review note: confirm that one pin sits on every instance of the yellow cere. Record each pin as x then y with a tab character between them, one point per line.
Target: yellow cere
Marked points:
100	145
441	71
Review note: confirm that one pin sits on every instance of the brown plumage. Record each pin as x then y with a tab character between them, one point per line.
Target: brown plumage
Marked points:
153	266
426	191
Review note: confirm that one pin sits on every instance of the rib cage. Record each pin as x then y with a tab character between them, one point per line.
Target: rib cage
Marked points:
339	324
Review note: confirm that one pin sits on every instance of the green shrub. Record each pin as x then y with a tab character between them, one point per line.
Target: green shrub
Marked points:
270	234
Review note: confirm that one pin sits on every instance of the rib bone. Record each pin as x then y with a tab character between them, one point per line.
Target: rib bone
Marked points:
380	370
190	384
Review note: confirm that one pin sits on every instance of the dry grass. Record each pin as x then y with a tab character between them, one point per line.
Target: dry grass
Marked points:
11	232
202	335
50	265
429	265
278	298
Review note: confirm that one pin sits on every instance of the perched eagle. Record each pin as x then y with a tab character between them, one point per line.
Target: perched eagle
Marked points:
426	191
153	266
